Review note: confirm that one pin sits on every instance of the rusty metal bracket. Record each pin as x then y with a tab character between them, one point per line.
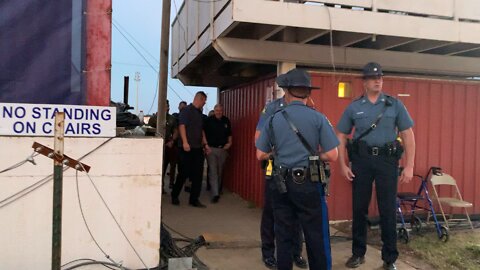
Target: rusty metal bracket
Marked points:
66	160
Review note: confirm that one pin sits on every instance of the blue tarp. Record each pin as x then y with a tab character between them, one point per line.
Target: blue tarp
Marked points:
41	51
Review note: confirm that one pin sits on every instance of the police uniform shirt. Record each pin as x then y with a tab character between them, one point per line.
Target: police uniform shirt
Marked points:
290	152
361	114
269	110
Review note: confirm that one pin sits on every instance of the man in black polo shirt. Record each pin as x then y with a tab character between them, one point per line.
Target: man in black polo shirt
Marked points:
190	127
218	132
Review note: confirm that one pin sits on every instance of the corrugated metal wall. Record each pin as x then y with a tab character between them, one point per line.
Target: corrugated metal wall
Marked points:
447	130
243	106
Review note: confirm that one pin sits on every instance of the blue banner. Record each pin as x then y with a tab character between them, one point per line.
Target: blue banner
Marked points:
42	51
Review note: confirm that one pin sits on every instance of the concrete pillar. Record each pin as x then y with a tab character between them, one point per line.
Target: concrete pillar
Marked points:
288	35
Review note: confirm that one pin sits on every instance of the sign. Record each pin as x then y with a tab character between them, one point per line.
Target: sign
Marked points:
38	120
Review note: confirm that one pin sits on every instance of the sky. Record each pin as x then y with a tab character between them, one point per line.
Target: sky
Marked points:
140	22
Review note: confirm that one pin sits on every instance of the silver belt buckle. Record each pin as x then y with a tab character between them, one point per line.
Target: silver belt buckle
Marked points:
375	151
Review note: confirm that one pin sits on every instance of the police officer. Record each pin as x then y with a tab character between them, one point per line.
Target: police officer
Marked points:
374	153
267	233
297	194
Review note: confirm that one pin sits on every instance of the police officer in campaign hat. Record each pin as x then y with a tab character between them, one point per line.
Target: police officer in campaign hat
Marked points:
299	138
267	231
374	153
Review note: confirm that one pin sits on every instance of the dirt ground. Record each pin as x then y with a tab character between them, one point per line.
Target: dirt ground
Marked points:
425	250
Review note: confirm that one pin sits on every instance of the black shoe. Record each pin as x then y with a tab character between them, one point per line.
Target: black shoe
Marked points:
198	204
300	262
355	261
175	201
215	199
270	262
389	266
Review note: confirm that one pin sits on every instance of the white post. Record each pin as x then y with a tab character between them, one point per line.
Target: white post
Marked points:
137	80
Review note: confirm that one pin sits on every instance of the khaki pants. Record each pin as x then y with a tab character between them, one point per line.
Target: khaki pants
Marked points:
216	160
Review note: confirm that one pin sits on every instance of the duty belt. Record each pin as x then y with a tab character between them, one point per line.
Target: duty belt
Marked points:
299	174
378	151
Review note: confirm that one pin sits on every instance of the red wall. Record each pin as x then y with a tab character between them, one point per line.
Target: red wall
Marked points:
447	131
98	45
243	105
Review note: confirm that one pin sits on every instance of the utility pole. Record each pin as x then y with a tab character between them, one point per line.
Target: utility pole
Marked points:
163	69
137	80
57	192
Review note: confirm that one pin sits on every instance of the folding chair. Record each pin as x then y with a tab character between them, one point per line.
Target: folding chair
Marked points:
457	201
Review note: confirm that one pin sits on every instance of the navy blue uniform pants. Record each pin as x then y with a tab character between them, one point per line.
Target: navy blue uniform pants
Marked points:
306	203
384	171
267	227
190	166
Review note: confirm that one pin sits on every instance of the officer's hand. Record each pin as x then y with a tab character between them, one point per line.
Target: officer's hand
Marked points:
347	173
169	144
186	147
407	175
207	150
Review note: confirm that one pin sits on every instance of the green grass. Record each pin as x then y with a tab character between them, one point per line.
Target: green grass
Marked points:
462	251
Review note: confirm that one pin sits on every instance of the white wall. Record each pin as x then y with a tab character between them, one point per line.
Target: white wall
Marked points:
128	174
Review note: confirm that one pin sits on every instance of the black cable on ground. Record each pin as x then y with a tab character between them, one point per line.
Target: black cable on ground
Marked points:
170	249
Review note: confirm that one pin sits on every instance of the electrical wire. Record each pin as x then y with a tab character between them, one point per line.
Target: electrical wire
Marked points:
89	260
24	192
180	234
169	248
93	262
19	164
134	47
117	27
135	40
113	216
332	56
86	223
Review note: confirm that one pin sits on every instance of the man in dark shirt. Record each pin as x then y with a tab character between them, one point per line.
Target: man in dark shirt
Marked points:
218	132
191	152
181	105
